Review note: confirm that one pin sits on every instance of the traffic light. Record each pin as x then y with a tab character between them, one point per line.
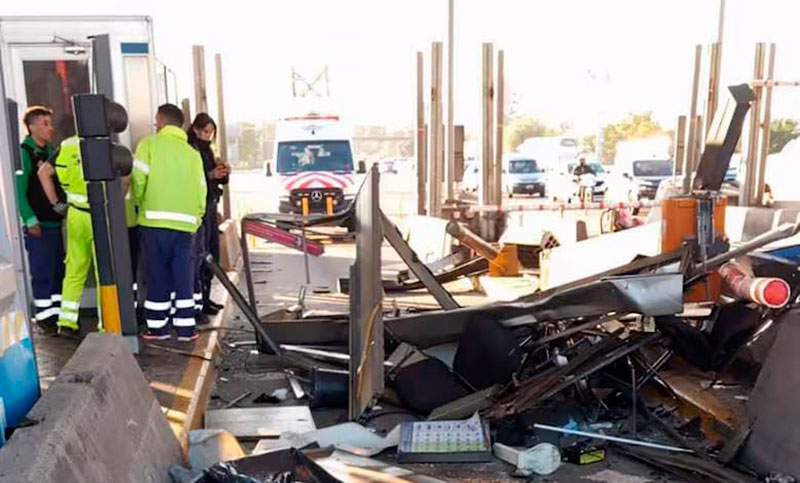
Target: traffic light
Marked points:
97	119
97	122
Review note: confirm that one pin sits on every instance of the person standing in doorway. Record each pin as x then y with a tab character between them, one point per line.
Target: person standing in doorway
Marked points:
201	135
169	187
41	221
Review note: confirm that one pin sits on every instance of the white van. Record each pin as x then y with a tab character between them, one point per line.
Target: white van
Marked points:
313	159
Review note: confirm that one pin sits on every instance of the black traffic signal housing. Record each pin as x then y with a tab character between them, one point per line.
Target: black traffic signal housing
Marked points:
97	119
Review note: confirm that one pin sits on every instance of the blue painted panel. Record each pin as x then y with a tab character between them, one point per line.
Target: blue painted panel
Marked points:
19	381
134	47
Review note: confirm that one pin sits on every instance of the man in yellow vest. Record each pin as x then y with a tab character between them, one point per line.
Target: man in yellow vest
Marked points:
169	187
80	241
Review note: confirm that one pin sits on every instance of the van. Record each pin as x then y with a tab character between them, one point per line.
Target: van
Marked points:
313	160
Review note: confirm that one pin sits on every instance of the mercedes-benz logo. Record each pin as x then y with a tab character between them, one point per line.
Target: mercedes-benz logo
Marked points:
316	195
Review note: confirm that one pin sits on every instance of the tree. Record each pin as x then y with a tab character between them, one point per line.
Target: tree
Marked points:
248	144
781	131
634	126
521	129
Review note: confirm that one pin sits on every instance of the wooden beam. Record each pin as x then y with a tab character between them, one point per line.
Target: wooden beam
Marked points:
487	136
199	62
436	152
222	134
680	145
497	187
187	113
715	59
422	160
765	126
451	153
747	196
690	154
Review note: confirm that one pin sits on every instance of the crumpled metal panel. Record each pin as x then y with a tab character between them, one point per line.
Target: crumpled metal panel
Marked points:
652	294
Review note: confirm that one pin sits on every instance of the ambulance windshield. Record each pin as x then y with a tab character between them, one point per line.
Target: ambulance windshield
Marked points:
297	156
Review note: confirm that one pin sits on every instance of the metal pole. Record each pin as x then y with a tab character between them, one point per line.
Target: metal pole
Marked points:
451	152
498	143
690	154
422	164
200	98
305	252
487	153
766	126
222	135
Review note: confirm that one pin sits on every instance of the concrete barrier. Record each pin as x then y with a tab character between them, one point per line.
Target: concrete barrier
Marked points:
98	421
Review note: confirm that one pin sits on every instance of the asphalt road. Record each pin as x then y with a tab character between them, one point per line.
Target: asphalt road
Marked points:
253	192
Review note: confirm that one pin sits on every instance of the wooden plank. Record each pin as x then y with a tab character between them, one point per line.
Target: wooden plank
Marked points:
487	119
222	134
436	152
765	126
680	145
199	62
261	422
689	165
497	177
422	160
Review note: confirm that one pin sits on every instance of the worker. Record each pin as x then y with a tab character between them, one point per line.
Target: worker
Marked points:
80	241
201	135
169	187
42	224
584	185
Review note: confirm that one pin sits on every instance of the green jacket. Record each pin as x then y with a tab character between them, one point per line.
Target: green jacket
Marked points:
23	178
69	170
168	182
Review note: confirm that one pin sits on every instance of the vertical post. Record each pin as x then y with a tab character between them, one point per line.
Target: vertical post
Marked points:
222	135
766	125
199	61
451	156
435	154
713	83
187	113
487	153
747	195
699	142
680	145
422	165
690	154
498	143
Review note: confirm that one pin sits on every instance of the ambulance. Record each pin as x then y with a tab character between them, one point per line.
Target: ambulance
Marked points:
314	165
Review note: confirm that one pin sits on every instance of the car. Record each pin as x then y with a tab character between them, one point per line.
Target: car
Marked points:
646	173
522	174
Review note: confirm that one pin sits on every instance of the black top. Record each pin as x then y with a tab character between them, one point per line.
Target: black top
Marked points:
582	169
214	192
36	197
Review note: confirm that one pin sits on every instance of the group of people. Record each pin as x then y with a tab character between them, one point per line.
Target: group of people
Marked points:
171	199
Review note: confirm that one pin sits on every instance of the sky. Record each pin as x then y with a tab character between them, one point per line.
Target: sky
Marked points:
586	62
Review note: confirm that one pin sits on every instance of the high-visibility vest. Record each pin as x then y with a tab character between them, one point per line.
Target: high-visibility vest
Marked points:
168	182
69	170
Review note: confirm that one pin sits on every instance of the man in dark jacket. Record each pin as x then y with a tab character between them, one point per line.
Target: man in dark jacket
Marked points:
42	222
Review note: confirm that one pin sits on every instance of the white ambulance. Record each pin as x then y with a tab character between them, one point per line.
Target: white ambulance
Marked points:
314	164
